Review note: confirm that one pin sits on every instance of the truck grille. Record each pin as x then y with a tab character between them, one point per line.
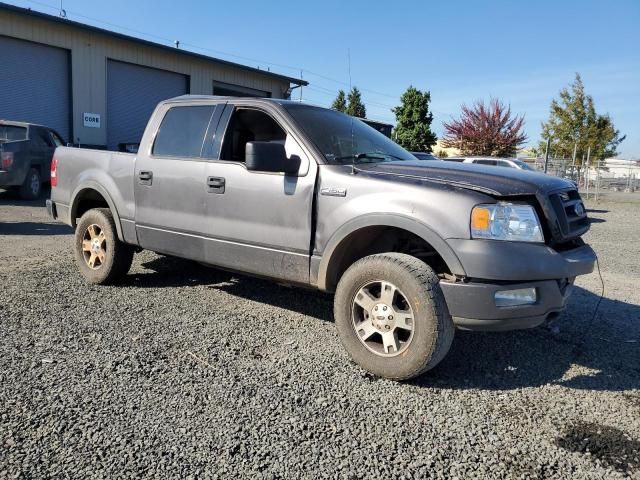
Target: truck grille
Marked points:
570	215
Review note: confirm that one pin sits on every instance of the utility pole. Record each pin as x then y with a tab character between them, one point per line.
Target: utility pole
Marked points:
586	170
301	86
546	155
573	159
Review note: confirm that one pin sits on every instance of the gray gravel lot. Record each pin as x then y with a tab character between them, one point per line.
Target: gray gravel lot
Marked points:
190	372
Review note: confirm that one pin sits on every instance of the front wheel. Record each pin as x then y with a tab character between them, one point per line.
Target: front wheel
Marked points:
392	316
101	257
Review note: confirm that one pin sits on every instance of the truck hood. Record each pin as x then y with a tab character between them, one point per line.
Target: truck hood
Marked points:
496	181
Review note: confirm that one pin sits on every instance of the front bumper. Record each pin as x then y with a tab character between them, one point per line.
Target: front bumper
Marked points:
472	303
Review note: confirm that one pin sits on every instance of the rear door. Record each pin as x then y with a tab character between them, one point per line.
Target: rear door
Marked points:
170	180
259	222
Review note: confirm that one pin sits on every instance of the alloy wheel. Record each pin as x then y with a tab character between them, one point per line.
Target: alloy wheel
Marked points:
382	318
94	246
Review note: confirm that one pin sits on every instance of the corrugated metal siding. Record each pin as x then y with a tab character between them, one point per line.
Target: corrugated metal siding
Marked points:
132	94
34	84
89	54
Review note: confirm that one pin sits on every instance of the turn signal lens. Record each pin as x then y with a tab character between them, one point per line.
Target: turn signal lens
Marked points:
480	219
506	221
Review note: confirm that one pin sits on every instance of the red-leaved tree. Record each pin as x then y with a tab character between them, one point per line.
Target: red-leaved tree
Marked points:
487	130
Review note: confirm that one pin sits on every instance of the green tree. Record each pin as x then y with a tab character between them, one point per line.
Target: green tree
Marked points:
356	108
413	121
573	121
340	103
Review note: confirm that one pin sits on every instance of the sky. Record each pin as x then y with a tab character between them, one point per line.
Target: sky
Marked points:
522	52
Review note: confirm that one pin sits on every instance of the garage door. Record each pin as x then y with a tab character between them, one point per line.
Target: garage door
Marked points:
34	84
132	94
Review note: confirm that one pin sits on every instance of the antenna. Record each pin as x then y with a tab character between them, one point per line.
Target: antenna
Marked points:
177	43
301	85
353	151
63	12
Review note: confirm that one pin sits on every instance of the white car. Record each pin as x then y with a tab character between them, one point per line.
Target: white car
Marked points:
497	162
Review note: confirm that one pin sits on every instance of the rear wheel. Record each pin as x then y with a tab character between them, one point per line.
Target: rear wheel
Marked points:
32	186
101	257
392	317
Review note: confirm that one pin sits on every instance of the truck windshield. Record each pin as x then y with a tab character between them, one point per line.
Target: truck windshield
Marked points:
10	133
343	139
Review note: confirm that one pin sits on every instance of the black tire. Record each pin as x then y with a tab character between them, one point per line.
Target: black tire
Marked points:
117	256
432	330
32	185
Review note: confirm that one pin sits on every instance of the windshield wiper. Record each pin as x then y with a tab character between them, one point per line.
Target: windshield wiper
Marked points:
368	155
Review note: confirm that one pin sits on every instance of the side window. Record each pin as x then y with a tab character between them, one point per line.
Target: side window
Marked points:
56	139
41	139
248	125
485	162
182	131
502	163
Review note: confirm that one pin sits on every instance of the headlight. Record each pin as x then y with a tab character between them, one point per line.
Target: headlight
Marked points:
506	221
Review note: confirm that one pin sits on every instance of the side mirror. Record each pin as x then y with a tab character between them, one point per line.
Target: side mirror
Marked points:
270	157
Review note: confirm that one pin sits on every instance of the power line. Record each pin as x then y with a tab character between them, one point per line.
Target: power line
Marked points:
210	50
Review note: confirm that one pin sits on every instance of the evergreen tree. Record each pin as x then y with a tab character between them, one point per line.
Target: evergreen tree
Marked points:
573	121
356	108
340	103
413	121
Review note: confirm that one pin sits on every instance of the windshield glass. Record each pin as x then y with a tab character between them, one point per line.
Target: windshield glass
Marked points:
344	140
524	166
9	133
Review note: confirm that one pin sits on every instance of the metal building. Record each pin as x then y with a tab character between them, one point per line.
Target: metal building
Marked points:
97	87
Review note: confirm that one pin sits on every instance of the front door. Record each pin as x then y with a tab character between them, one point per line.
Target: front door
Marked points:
259	222
170	181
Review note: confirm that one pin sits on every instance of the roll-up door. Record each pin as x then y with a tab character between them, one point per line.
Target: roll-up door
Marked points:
133	92
35	84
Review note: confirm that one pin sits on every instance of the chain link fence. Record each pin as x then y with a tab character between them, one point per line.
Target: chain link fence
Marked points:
597	178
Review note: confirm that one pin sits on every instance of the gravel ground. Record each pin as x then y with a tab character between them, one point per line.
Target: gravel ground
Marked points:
185	371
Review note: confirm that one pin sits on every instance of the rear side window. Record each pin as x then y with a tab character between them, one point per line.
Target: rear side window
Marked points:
182	131
56	139
42	139
504	164
10	133
485	162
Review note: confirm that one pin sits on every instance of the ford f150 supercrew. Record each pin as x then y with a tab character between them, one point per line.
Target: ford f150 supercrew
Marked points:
310	196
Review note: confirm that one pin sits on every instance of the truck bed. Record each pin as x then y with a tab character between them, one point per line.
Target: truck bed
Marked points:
111	173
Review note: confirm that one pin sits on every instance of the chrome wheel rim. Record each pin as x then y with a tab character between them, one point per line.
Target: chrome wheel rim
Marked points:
382	318
94	246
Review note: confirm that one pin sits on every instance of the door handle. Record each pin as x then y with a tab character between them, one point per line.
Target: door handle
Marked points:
215	184
145	177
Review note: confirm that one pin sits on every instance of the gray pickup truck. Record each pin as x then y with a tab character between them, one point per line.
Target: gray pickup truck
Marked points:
312	197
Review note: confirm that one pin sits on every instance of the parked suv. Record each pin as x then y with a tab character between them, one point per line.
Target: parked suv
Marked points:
493	161
26	151
310	196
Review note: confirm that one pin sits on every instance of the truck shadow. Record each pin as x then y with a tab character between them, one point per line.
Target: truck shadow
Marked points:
573	351
12	198
34	228
576	351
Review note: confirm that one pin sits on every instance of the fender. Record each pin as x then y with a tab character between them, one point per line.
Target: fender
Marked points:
92	185
388	220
